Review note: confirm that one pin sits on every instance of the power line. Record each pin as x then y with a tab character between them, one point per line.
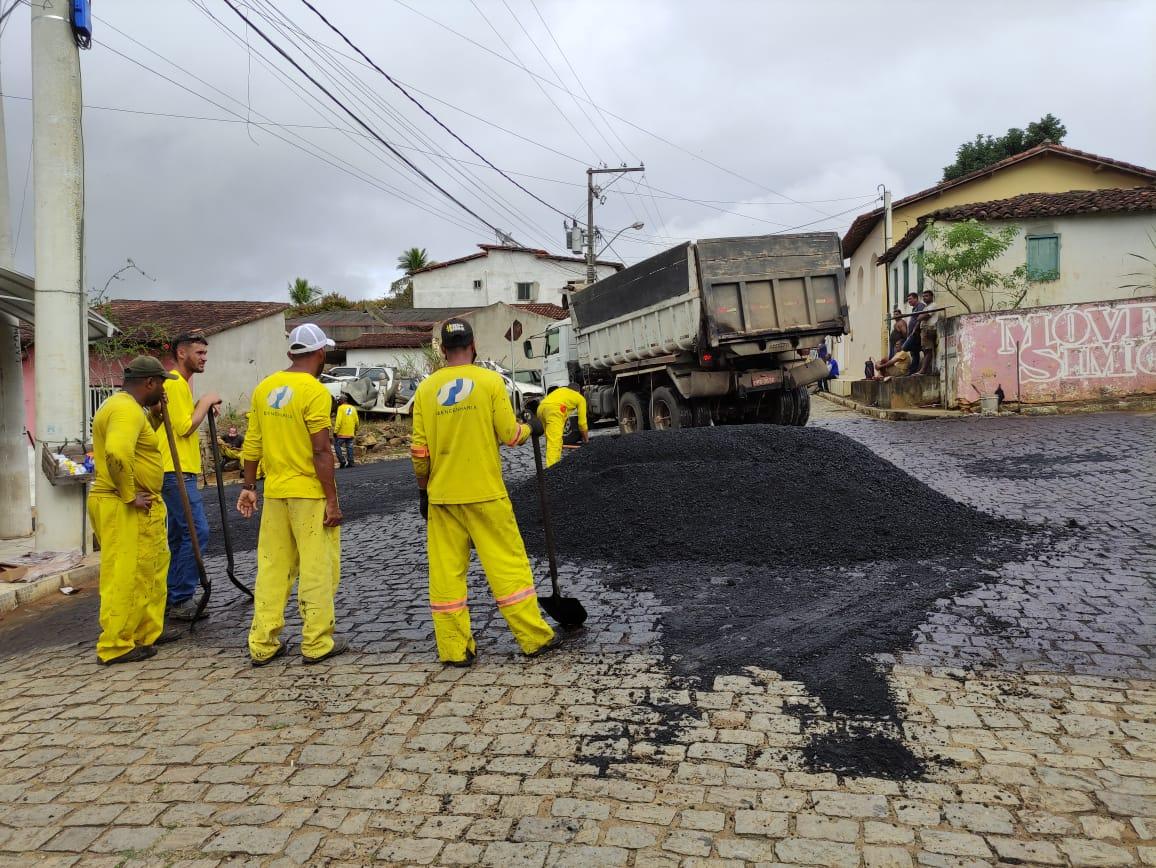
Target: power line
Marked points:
618	117
430	114
400	156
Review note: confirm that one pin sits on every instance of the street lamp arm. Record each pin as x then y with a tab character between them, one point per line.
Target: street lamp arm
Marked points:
634	226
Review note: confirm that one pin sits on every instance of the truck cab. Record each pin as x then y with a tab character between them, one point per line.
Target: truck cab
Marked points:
559	353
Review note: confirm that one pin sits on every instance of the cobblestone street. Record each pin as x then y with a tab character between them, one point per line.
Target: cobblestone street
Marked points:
1031	700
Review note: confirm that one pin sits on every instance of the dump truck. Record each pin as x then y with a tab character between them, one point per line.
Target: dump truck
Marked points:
710	332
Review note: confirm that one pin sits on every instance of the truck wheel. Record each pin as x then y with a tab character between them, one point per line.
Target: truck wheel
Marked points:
700	414
788	407
803	400
668	410
631	416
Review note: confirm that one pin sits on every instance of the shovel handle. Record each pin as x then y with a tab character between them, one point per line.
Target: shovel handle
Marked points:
547	524
188	509
226	533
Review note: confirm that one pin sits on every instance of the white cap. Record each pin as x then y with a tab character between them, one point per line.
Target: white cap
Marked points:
308	338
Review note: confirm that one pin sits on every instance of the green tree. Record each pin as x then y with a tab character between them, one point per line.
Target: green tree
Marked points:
329	301
401	290
985	150
959	259
302	292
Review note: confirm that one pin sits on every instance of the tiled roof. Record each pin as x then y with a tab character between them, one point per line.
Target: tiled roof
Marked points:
864	223
387	341
179	317
413	316
1029	205
337	317
545	309
540	254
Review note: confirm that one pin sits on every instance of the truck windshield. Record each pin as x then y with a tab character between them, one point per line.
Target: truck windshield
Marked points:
551	342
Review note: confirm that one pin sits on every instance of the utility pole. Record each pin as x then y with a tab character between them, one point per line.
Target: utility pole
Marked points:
61	307
591	193
16	505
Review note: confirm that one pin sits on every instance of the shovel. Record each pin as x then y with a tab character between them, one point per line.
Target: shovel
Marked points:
567	611
206	585
225	532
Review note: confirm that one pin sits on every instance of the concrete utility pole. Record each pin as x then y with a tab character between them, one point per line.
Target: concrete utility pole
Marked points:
591	193
61	306
16	504
886	270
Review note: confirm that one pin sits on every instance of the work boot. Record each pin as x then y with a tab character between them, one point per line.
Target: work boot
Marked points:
465	663
137	654
555	640
186	610
281	651
340	646
167	636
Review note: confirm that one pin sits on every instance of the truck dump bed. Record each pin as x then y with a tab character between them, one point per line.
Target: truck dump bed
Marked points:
726	290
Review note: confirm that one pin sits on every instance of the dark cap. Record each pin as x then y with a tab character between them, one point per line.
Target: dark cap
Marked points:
456	333
143	367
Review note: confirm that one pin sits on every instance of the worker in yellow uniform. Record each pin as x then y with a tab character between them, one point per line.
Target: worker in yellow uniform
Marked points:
128	515
190	351
460	415
300	535
344	429
553	410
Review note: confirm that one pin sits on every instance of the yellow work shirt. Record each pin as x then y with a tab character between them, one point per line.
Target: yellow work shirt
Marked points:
287	408
460	415
126	449
181	406
347	419
564	400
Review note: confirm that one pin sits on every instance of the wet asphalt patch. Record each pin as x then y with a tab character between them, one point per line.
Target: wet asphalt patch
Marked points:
794	550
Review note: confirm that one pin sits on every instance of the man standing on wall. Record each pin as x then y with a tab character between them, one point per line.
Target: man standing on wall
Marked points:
190	351
911	344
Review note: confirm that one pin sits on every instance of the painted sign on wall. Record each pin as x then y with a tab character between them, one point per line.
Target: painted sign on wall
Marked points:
1076	352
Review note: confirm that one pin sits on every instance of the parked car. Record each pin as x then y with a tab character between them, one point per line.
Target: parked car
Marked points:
381	379
524	388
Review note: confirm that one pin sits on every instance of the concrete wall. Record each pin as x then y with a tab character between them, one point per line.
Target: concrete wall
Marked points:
1044	174
1076	352
499	272
238	359
402	359
490	325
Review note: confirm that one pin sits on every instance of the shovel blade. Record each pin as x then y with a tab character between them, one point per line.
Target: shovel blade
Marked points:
567	611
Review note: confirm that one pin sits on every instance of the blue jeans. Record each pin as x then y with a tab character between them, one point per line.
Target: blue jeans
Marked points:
344	451
183	575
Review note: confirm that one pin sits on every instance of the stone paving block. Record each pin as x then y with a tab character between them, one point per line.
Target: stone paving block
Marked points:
564	856
886	857
761	823
953	843
74	839
252	840
416	851
827	828
501	854
1084	853
805	851
630	837
1030	852
850	805
688	843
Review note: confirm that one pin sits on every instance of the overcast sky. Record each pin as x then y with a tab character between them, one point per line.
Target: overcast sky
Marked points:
759	103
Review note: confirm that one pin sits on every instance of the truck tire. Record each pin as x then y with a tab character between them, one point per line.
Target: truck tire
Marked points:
788	407
631	416
668	410
803	401
700	414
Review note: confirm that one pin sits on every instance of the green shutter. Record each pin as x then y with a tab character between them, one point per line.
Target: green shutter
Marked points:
919	270
1044	257
906	277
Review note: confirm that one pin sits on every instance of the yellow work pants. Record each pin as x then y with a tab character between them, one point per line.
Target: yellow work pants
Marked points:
134	567
554	421
294	540
494	532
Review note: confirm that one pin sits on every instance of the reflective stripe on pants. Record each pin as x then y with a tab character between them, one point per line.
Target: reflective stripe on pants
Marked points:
494	532
134	561
293	541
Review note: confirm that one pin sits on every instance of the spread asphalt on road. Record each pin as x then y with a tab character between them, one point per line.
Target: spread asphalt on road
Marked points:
796	550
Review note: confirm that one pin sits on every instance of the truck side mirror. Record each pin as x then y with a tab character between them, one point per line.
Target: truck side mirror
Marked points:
528	349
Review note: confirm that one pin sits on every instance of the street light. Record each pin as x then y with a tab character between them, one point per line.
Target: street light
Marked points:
634	226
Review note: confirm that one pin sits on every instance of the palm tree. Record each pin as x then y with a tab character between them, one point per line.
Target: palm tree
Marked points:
302	292
413	260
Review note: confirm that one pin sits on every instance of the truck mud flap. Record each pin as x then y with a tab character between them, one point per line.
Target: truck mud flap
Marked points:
811	371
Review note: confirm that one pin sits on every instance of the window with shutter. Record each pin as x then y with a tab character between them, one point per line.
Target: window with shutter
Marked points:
919	270
1044	257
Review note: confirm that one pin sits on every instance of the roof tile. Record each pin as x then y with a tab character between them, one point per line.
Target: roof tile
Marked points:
180	317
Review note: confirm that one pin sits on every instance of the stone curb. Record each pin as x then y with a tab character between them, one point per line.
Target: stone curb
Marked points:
889	415
14	598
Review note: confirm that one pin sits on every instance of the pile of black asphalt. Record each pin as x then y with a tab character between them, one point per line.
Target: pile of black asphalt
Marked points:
791	549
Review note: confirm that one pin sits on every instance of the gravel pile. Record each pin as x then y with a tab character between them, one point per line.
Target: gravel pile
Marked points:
793	549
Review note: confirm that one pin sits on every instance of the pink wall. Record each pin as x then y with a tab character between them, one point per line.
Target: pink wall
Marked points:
1076	352
101	372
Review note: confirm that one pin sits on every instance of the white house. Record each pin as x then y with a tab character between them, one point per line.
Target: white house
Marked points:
1078	246
501	274
400	350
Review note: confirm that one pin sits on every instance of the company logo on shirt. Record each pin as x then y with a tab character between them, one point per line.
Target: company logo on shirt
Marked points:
278	398
455	391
